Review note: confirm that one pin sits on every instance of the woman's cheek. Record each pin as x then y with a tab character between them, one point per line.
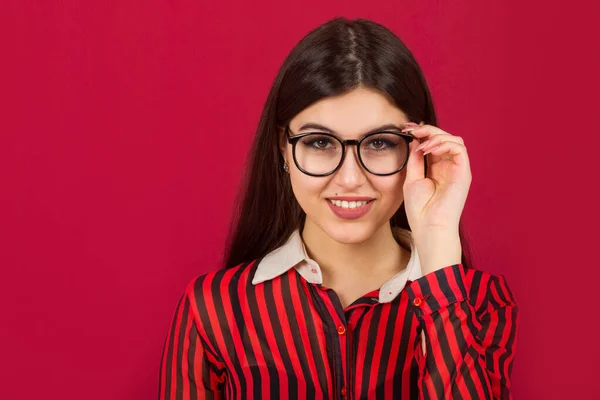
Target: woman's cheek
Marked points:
391	192
309	190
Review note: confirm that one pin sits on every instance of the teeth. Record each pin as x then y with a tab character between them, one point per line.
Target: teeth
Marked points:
348	204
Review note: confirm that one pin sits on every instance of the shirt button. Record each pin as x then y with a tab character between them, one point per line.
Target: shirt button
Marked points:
341	329
417	301
343	392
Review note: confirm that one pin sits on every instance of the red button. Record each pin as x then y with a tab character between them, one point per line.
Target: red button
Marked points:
341	329
314	270
343	392
417	301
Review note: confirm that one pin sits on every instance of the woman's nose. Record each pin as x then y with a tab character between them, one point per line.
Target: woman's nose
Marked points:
350	174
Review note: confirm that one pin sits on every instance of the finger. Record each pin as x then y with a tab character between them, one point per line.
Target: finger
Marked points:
456	151
437	140
424	131
415	166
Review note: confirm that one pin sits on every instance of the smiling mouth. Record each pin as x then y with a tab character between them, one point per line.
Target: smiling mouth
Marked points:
349	204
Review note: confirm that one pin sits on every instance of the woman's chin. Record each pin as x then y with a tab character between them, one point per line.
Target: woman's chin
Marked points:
350	233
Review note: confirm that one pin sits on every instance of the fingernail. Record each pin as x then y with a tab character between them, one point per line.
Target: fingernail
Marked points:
422	145
407	130
430	150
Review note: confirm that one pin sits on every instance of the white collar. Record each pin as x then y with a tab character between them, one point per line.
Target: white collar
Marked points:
293	254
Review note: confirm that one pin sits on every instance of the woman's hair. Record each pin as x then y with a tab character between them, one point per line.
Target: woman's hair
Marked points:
331	60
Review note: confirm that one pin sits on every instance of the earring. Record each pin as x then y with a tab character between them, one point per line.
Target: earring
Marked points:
286	167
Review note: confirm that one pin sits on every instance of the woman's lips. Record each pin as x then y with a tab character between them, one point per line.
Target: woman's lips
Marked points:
350	213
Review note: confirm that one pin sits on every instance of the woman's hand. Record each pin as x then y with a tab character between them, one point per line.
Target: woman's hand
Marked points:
434	203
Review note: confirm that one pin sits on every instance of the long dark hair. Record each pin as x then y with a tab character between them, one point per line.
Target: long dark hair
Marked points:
331	60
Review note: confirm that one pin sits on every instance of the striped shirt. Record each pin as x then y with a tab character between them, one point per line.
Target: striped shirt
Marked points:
269	329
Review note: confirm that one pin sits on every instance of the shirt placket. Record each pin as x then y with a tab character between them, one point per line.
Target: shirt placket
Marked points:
337	330
353	314
341	325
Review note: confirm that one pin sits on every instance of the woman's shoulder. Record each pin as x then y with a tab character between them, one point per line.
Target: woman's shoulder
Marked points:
213	296
221	282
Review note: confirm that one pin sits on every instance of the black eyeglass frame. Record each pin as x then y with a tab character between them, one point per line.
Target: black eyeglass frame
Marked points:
293	140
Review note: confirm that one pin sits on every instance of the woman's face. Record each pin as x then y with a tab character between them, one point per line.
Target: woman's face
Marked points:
349	116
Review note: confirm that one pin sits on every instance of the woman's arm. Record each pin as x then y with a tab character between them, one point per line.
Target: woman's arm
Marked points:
469	353
187	371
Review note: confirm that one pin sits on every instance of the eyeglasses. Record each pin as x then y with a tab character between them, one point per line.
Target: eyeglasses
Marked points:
321	154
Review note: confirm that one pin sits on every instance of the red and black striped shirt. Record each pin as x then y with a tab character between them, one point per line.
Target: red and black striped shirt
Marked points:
268	329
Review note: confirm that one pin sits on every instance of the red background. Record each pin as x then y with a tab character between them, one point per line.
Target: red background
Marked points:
123	131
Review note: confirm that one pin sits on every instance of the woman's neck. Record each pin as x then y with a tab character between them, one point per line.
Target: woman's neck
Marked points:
357	268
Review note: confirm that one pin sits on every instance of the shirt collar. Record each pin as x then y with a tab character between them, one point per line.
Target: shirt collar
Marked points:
292	254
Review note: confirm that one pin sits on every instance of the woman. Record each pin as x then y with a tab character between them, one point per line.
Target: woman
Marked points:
346	273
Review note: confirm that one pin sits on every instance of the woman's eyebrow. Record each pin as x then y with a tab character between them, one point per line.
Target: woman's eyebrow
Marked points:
312	125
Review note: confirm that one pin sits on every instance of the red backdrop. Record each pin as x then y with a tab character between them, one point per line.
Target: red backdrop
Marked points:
123	131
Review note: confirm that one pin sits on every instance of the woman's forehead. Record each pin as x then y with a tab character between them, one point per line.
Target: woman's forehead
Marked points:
358	111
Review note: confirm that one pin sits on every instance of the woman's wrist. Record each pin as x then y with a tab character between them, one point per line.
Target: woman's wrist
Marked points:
438	249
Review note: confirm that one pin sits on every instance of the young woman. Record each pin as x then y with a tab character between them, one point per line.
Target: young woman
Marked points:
347	274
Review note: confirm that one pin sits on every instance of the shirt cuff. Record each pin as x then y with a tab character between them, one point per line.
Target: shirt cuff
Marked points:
438	289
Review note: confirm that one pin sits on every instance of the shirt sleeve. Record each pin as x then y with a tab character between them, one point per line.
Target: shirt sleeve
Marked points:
188	371
469	353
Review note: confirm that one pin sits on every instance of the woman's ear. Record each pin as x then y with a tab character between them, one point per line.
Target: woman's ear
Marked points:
281	133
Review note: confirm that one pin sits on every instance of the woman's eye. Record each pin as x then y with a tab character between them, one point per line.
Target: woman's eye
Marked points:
383	143
378	144
319	143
